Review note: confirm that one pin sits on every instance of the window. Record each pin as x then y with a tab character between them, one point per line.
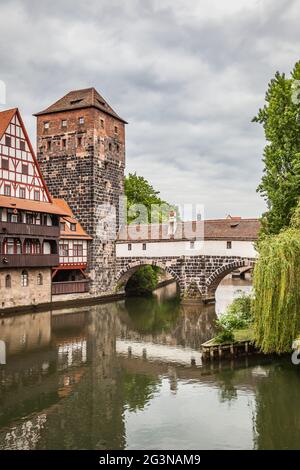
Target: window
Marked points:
62	226
229	245
36	195
102	123
24	169
64	123
48	144
46	125
27	247
192	245
109	146
22	193
24	279
8	281
22	144
81	120
39	279
7	140
116	130
4	163
78	250
118	148
63	143
129	246
79	141
144	246
63	249
7	190
10	246
73	227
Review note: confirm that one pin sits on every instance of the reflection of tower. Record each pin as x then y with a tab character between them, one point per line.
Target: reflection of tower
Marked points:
107	425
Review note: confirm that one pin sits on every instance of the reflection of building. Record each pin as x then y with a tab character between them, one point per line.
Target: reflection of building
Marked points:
29	220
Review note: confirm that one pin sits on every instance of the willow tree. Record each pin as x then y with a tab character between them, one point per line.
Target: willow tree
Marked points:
276	306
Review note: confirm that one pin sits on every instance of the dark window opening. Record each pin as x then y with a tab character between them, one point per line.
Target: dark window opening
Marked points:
229	245
5	163
129	246
73	227
7	140
144	246
8	281
24	169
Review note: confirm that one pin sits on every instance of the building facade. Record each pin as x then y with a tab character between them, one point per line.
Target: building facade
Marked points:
29	220
81	151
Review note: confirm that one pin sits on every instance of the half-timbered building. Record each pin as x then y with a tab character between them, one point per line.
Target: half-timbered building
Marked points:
29	219
69	277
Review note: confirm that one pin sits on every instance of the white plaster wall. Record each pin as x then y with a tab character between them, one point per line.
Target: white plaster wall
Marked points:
179	248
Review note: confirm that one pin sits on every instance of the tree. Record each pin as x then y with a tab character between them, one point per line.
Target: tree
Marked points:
140	192
280	117
277	294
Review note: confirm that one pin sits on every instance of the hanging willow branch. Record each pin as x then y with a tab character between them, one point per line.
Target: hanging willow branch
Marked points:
276	306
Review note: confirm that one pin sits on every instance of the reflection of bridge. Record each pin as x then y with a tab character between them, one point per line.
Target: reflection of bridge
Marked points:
197	264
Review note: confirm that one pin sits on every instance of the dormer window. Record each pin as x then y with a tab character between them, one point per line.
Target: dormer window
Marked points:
46	125
22	144
62	226
73	227
64	123
81	120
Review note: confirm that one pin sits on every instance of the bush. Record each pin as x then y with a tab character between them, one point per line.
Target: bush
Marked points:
237	316
143	281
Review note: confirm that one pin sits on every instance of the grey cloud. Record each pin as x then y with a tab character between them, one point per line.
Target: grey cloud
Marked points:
188	76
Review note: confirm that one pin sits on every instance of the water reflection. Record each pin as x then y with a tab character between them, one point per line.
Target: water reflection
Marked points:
129	375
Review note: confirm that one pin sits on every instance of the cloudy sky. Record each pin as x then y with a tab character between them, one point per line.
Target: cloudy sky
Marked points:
188	75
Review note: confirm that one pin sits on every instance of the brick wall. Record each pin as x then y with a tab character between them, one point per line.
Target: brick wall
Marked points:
84	164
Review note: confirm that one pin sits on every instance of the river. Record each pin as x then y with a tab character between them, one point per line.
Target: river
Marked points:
128	375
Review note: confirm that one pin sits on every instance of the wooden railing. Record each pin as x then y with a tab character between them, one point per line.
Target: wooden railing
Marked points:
28	261
70	287
12	228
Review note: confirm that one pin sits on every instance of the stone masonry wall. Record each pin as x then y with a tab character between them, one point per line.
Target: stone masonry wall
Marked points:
84	164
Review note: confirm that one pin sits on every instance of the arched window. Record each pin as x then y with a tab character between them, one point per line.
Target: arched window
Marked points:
40	279
8	281
24	279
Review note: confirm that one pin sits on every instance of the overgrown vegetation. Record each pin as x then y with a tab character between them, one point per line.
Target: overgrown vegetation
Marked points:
276	308
143	281
237	316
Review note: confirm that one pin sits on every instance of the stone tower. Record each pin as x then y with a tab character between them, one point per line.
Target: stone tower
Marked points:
81	151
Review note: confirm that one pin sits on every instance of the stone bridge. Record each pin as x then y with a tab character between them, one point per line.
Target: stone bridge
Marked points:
197	277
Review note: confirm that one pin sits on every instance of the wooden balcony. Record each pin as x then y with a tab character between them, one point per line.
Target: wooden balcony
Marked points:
28	261
11	228
70	287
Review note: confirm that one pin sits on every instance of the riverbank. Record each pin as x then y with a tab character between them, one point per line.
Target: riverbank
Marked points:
243	344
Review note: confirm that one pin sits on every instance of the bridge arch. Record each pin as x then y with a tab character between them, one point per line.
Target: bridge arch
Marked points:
216	277
124	275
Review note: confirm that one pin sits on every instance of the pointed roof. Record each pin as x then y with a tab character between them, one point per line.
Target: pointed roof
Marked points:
79	233
79	99
5	118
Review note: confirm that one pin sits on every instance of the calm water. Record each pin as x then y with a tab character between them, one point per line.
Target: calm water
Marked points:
129	375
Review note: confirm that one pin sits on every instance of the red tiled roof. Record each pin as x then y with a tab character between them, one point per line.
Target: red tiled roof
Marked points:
69	217
218	229
29	205
78	99
5	118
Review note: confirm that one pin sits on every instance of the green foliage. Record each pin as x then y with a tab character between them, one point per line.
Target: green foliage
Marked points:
139	192
143	281
237	316
277	294
280	184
